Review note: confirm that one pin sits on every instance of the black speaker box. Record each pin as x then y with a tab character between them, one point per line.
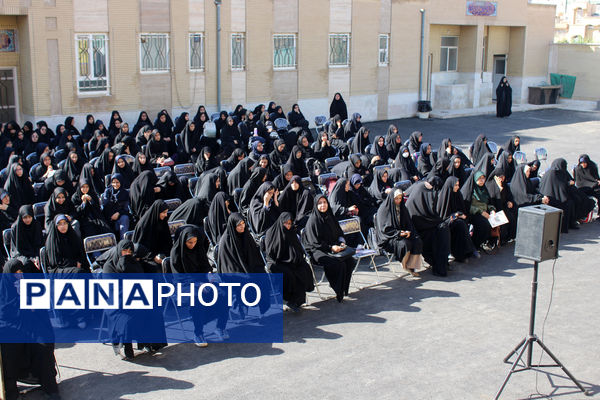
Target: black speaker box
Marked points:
538	232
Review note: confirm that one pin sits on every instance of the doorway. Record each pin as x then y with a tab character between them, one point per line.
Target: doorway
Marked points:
499	71
8	95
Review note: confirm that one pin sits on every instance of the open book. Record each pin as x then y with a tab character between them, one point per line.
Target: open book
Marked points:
498	219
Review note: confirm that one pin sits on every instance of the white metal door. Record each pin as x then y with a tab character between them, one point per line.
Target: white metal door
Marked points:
8	95
499	72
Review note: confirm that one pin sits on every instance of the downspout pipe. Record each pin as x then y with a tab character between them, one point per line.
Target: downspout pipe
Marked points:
218	4
422	10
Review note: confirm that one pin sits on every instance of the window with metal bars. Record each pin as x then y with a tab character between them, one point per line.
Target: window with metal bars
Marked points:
384	48
238	45
92	63
196	51
284	51
339	49
154	52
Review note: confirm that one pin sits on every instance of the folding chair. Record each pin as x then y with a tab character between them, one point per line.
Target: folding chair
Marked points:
352	226
237	193
307	183
32	158
368	148
332	162
520	157
38	211
192	185
541	154
211	249
174	225
160	171
60	155
166	266
214	116
320	121
129	158
98	243
380	250
61	163
281	124
312	266
128	235
385	167
263	253
403	184
187	169
6	238
493	147
327	180
172	204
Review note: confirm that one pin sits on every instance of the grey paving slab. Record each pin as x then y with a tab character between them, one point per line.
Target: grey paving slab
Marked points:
406	338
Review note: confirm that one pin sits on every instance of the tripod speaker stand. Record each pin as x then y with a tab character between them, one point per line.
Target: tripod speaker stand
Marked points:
538	245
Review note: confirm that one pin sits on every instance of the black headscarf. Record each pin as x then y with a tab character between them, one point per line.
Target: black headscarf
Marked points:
190	138
203	164
238	252
217	216
252	185
138	167
340	200
104	165
126	172
20	189
414	144
240	174
153	232
299	203
392	219
118	264
360	142
480	148
440	169
184	260
232	161
165	128
586	177
260	217
338	107
378	186
26	240
192	211
522	189
207	188
421	205
282	244
52	208
407	164
322	229
555	182
297	165
426	161
141	193
181	122
442	152
510	145
450	202
89	173
380	151
8	216
171	187
64	250
507	167
457	172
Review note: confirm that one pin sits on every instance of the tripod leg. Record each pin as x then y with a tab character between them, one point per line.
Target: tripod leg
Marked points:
515	350
565	370
512	368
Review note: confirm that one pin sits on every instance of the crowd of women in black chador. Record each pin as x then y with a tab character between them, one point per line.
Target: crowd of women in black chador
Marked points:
102	179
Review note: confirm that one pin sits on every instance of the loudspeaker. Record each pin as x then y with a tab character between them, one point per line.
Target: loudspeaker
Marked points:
538	232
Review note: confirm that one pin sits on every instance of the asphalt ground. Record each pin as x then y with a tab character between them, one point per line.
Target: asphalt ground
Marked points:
404	338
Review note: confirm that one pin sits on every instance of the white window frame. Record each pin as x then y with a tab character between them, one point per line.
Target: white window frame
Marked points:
348	54
384	51
80	78
167	56
192	36
238	67
448	54
294	38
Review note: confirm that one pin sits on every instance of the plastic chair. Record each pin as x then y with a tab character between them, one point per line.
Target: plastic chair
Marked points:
174	225
172	204
368	149
493	147
60	155
98	243
281	124
332	162
541	154
520	157
32	158
214	116
325	180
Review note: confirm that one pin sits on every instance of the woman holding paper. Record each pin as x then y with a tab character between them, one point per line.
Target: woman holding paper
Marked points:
477	202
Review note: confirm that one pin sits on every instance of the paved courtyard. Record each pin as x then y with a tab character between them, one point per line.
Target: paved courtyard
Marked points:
405	338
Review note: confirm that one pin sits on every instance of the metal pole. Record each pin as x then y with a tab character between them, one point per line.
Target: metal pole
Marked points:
218	4
534	285
422	10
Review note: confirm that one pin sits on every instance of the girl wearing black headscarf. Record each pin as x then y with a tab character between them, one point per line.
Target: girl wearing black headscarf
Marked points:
122	167
238	252
440	169
281	181
264	208
502	200
200	111
414	142
352	127
8	213
45	168
230	137
535	167
171	187
512	145
58	180
181	122
451	208
586	176
192	211
503	98
406	167
105	163
426	161
115	205
506	163
323	147
73	167
381	185
64	248
285	255
342	205
338	107
323	239
152	231
379	149
560	188
208	188
157	150
88	212
393	145
190	140
141	164
361	140
279	155
19	186
218	213
240	174
142	193
164	124
296	200
522	189
395	233
259	175
479	148
478	203
434	233
26	235
205	161
296	162
88	130
457	169
60	203
296	118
